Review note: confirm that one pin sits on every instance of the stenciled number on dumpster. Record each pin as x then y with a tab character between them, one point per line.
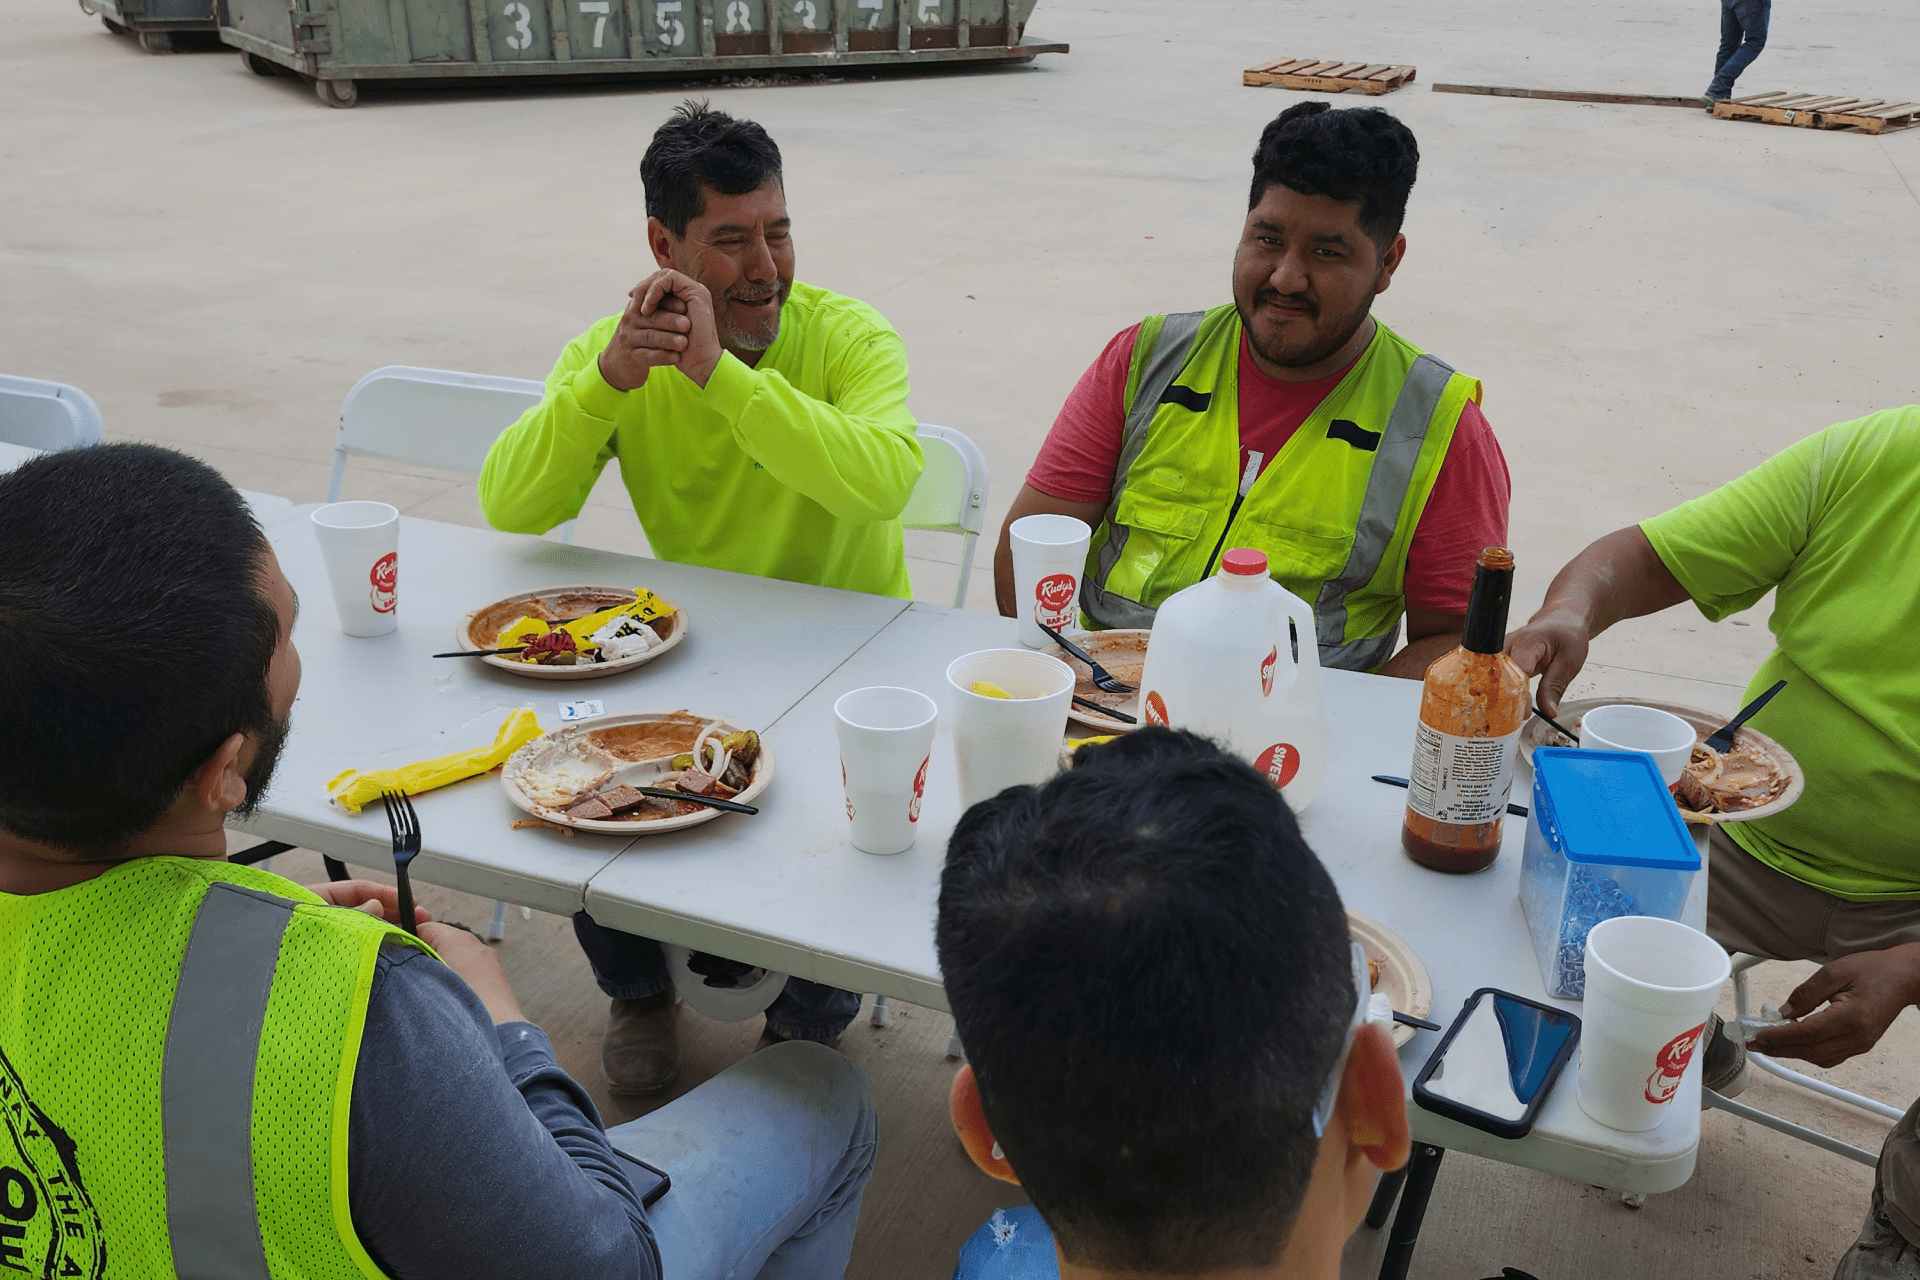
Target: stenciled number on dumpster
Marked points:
672	32
873	23
522	37
601	7
929	12
804	10
739	17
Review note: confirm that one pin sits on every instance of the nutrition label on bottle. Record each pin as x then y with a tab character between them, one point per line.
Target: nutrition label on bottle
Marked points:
1462	780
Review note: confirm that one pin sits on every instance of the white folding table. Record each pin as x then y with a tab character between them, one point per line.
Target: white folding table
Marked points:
756	646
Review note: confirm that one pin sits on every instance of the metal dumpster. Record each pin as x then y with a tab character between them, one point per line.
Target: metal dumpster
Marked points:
337	43
153	22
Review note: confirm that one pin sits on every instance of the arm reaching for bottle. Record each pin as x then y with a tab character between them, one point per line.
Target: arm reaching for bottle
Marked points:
1620	576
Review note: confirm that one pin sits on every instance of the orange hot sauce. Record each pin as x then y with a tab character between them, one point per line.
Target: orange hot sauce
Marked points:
1471	713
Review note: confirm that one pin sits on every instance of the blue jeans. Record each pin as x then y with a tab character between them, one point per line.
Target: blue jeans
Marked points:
768	1161
629	967
1743	34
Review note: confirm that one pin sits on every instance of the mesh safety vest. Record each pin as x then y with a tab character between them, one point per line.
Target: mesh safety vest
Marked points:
177	1046
1334	510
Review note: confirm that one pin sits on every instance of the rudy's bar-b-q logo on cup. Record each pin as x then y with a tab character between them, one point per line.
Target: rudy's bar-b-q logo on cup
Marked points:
1671	1064
385	577
919	791
1053	600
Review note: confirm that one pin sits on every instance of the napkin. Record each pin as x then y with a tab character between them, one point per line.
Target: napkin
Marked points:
353	789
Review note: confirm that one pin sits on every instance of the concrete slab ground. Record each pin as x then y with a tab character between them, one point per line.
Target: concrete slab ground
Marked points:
1656	300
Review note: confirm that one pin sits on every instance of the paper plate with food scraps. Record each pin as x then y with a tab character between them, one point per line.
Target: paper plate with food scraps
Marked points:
1123	653
574	633
588	776
1756	778
1394	970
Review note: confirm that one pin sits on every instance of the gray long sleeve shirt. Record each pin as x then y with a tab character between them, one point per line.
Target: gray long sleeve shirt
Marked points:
471	1154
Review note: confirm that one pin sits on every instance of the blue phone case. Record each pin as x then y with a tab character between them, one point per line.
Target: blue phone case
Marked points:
1533	1065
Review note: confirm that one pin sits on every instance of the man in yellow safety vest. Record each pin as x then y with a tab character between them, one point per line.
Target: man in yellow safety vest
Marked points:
1289	420
208	1070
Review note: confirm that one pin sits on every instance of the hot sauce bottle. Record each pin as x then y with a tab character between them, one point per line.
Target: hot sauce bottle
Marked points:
1471	713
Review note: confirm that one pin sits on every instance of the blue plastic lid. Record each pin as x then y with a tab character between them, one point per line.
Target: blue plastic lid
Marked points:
1609	807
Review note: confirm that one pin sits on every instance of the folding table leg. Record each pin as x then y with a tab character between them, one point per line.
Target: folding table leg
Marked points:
1383	1197
1421	1171
336	869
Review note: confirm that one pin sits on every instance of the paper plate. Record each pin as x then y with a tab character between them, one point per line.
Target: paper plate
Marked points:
479	629
1538	733
1403	979
598	731
1123	653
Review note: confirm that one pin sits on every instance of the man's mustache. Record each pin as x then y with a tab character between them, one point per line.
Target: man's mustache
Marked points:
1298	301
755	295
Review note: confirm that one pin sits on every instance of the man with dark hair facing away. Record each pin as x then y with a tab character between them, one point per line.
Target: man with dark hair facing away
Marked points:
208	1070
1165	1032
1290	420
761	426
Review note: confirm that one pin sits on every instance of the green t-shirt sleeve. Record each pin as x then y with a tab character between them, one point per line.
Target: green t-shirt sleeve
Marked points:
539	472
855	452
1730	547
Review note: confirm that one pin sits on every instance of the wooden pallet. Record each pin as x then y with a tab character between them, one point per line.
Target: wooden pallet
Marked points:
1821	111
1329	77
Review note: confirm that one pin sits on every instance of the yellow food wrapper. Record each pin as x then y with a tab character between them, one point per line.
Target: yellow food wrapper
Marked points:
645	606
1074	744
353	790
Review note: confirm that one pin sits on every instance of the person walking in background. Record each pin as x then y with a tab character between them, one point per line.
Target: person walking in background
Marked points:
1743	34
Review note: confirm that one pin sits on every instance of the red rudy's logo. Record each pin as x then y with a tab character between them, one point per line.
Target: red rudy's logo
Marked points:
1156	708
385	577
1280	762
919	789
1266	672
1053	600
1670	1064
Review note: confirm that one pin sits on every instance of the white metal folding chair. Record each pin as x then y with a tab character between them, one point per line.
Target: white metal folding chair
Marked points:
950	497
47	415
1741	964
430	417
433	418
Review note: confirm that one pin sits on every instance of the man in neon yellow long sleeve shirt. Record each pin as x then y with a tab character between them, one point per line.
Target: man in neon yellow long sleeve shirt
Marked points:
761	423
761	426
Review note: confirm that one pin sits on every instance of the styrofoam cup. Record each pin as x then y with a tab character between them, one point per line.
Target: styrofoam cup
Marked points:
886	740
1650	986
360	542
1049	554
1007	742
1648	730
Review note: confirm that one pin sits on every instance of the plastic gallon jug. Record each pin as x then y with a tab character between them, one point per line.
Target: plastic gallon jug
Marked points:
1221	662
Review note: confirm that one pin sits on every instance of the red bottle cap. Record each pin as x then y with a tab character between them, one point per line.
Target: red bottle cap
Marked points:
1245	561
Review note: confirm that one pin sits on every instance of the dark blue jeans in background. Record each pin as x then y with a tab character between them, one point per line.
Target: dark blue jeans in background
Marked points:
629	967
1743	34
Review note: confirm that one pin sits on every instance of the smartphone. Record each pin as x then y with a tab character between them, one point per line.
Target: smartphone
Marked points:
1497	1062
649	1183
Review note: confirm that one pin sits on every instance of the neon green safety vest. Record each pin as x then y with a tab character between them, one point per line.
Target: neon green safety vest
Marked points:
177	1045
1334	511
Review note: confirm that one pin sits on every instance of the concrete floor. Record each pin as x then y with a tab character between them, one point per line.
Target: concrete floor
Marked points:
1656	300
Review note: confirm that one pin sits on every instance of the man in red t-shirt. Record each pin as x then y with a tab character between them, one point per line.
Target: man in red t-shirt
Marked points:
1361	530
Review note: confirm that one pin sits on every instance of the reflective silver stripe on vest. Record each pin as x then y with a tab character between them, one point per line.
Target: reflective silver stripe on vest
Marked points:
1387	484
1169	356
213	1042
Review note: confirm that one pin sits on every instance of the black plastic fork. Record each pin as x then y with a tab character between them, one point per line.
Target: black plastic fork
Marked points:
406	843
1101	678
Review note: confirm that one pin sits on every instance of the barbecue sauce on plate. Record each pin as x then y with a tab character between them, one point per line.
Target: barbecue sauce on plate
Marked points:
1471	712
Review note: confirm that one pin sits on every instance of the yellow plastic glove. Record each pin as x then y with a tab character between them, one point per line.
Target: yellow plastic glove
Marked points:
353	790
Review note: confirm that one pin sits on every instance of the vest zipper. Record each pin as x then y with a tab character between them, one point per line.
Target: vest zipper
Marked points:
1247	477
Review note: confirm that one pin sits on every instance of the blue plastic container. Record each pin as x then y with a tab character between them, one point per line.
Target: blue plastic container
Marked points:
1604	839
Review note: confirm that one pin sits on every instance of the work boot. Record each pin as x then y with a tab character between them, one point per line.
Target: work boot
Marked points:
1881	1252
641	1052
1724	1068
768	1036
